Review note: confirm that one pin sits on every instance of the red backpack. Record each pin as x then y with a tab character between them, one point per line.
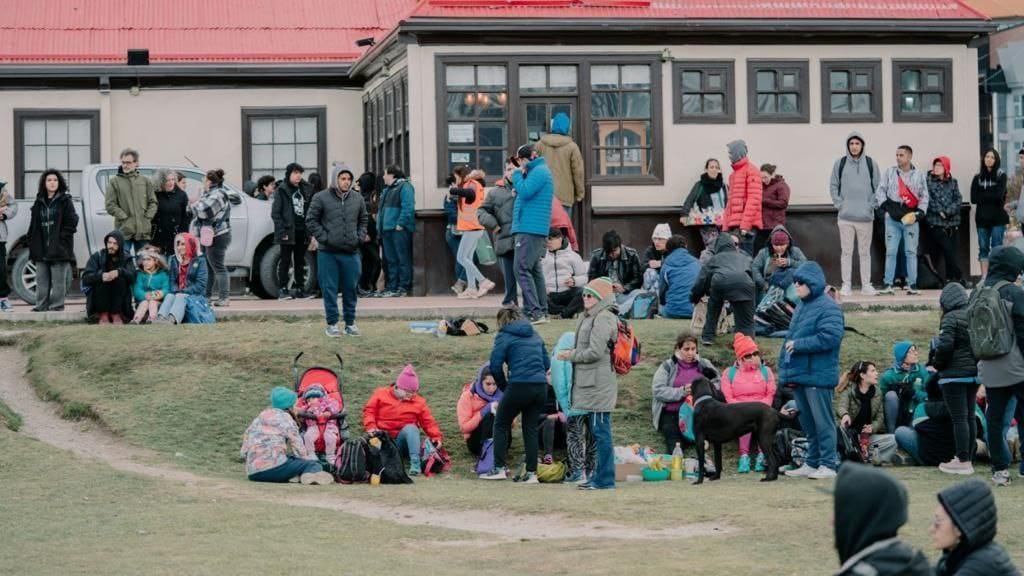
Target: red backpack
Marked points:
625	349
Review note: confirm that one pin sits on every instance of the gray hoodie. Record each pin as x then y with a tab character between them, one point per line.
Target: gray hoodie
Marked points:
854	197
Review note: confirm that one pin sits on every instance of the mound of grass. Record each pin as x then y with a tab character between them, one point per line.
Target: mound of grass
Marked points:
9	418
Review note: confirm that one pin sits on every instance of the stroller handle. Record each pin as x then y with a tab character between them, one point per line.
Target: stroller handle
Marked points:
341	363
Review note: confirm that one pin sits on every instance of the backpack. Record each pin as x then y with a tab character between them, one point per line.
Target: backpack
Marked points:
435	460
485	464
764	373
386	460
644	306
350	464
842	166
625	349
784	444
989	325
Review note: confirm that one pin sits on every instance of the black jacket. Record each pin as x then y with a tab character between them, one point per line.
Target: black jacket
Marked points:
701	193
1006	263
727	274
952	355
59	245
92	276
651	253
627	268
973	510
171	218
282	211
496	210
337	220
988	193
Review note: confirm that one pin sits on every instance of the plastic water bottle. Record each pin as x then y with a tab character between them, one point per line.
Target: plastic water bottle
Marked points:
677	463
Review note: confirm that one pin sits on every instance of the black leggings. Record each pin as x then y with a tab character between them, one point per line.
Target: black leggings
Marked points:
528	400
668	425
959	397
548	429
483	432
293	255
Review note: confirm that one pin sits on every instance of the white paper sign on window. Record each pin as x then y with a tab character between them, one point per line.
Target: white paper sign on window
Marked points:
460	133
460	157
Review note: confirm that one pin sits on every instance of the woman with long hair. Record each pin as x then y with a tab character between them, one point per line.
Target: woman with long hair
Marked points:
51	242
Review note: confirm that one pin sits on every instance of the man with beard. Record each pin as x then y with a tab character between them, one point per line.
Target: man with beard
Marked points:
108	279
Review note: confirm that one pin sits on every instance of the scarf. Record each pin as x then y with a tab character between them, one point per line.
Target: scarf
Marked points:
478	387
709	185
191	247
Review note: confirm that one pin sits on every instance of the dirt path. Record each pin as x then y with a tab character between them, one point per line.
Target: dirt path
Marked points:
85	439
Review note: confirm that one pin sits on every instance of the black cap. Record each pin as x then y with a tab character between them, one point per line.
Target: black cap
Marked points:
525	151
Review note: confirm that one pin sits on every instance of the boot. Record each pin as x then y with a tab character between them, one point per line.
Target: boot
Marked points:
104	318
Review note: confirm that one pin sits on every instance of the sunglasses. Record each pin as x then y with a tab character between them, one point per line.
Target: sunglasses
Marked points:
751	355
591	296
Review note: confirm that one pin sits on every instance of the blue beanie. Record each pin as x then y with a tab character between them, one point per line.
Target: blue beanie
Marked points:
899	351
282	398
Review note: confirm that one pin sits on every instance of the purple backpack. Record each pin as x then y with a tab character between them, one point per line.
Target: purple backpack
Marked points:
485	463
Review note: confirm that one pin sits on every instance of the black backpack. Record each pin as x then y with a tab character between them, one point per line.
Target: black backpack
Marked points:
350	466
784	444
386	460
871	173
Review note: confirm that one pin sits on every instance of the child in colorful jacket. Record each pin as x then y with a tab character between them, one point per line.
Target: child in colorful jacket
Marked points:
316	407
903	385
152	283
401	412
748	381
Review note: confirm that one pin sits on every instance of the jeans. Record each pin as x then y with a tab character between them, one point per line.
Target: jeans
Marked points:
906	438
5	289
293	255
467	251
567	303
817	420
742	313
525	399
568	210
604	472
335	268
989	238
216	267
290	469
855	234
51	285
408	441
174	306
947	239
453	240
894	233
135	246
996	414
959	398
398	254
529	251
508	272
891	409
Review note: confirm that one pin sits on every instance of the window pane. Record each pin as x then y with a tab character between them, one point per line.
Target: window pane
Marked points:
910	80
934	80
490	77
492	162
609	161
789	80
862	81
911	103
634	161
305	154
31	184
536	121
636	76
57	157
305	130
692	81
532	79
491	105
56	131
604	105
459	77
262	131
765	80
284	130
636	105
461	105
283	154
262	157
714	81
839	80
714	104
35	158
766	103
79	157
606	131
35	132
861	103
789	103
603	77
80	132
563	78
840	104
931	103
691	104
492	133
75	183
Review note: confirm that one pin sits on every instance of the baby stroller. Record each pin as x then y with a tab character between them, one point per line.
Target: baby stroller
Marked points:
330	381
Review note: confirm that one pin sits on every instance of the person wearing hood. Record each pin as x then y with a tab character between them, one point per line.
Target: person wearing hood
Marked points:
594	386
677	275
51	240
172	215
8	209
522	350
565	275
726	278
189	275
952	357
212	211
131	199
988	194
654	255
670	387
964	529
152	284
400	411
337	220
563	221
476	408
777	258
943	216
774	201
272	448
396	224
531	220
869	507
369	251
852	186
903	194
902	385
109	276
496	215
809	363
565	161
579	438
743	215
707	198
1003	377
288	211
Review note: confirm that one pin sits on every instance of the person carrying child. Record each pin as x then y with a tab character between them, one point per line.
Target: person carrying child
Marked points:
400	412
748	380
902	386
477	406
151	285
315	408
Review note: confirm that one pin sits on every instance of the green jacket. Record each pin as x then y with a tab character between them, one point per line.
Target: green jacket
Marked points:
847	403
914	379
131	200
594	386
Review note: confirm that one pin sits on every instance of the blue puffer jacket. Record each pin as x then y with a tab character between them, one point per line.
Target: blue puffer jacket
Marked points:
397	207
679	272
522	349
532	211
561	374
816	332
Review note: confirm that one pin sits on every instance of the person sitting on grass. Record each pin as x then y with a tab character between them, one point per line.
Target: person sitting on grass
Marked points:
928	438
775	260
964	529
272	448
315	407
748	380
400	412
620	264
678	273
477	406
565	275
858	407
108	279
655	254
670	387
902	385
151	285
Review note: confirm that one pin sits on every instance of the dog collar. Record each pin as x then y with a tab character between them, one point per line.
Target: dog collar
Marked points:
699	400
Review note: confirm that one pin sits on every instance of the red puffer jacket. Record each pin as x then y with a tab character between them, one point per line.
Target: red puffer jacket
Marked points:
383	411
743	210
774	202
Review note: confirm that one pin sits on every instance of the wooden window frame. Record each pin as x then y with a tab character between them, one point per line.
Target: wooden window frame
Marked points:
924	65
728	70
22	114
320	112
802	68
386	125
874	70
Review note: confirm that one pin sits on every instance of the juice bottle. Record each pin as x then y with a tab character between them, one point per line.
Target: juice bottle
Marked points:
677	463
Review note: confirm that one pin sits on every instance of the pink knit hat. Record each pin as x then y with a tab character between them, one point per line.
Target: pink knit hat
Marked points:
408	380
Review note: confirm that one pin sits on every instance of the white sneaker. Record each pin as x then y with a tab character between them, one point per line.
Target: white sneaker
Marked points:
845	290
802	472
316	478
955	466
822	473
868	290
531	478
496	474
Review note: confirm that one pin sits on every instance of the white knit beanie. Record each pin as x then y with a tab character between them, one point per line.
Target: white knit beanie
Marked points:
662	231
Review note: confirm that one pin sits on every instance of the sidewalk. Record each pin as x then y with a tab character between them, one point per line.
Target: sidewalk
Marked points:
412	308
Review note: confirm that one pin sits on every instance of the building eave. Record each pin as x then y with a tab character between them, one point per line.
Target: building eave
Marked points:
211	71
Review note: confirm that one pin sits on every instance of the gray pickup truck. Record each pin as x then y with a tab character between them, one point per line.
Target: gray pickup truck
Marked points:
252	254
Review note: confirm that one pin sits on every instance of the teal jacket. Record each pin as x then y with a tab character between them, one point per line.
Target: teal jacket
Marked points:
561	374
397	207
145	283
895	378
531	213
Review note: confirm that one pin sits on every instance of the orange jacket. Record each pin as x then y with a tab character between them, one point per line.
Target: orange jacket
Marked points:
468	411
467	220
743	209
383	411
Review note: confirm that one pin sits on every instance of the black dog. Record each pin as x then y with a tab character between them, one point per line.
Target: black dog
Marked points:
718	422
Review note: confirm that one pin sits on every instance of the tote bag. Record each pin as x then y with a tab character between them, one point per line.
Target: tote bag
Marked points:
485	251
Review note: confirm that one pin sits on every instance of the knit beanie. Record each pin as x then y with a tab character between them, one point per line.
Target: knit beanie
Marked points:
780	238
662	232
314	391
899	351
600	288
743	345
282	398
737	150
408	380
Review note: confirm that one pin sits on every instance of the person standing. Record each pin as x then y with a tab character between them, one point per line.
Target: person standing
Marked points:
1015	189
852	186
943	216
708	196
958	375
988	194
470	195
743	216
531	218
51	241
8	209
903	194
369	251
774	202
496	215
291	203
565	161
172	215
337	220
396	223
809	363
131	200
110	275
265	188
212	226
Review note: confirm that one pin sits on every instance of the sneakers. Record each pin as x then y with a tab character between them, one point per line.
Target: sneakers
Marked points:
468	294
869	290
759	465
496	474
542	319
351	330
744	465
284	294
912	290
414	469
458	287
887	291
802	472
5	305
485	287
332	331
316	478
548	459
955	466
1001	478
222	303
575	478
366	293
822	473
846	290
531	478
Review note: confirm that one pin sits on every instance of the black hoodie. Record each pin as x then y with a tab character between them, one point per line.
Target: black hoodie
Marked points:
973	510
100	262
988	192
727	274
51	229
870	507
952	355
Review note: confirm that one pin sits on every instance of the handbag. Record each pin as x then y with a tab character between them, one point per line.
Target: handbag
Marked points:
198	311
206	236
485	253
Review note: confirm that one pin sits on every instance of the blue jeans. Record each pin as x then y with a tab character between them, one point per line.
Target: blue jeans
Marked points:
529	251
408	441
398	254
508	272
334	268
816	419
604	473
466	256
891	409
290	469
453	246
894	233
906	438
998	415
989	238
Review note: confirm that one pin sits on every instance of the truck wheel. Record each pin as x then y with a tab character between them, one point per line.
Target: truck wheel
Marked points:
23	278
268	272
